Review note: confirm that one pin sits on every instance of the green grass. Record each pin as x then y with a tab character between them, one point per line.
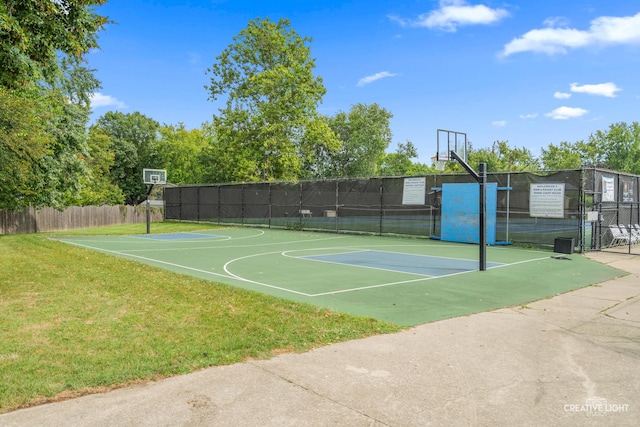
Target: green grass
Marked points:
75	321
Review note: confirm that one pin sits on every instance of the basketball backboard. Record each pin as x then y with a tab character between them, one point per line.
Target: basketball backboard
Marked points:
448	141
154	176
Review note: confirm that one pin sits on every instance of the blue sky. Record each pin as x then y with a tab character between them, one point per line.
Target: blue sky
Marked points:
529	72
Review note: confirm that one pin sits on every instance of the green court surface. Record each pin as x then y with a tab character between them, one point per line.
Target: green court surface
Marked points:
404	281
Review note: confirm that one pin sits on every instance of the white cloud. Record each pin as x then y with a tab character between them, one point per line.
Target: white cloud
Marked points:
561	95
377	76
529	116
564	113
100	100
603	89
605	30
556	21
453	14
499	123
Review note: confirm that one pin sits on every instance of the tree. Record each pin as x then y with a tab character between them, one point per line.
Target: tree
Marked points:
134	138
44	144
38	34
502	158
63	168
24	142
400	164
562	156
272	97
365	134
619	147
181	151
97	188
41	56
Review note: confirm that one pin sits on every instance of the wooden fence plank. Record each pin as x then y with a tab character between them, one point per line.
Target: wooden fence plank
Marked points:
31	220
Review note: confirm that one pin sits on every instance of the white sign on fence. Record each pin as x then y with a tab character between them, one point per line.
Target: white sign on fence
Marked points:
608	189
546	200
414	191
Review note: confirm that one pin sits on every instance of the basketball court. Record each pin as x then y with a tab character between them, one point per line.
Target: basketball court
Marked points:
400	280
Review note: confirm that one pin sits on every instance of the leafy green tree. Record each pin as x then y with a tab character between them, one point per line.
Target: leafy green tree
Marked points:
365	133
63	168
263	132
41	57
400	163
44	142
618	148
134	138
318	153
565	155
24	142
97	188
500	158
38	34
181	151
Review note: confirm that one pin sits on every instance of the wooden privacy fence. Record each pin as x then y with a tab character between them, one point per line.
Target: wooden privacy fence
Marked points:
32	220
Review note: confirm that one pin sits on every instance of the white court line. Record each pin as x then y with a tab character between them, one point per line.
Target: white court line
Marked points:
126	255
426	278
520	262
232	246
158	238
418	280
216	237
235	276
377	250
354	251
243	279
354	265
231	276
382	285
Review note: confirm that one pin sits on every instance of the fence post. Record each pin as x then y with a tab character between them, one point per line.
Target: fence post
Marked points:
381	205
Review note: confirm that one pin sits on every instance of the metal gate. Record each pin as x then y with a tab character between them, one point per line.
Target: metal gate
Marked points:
618	227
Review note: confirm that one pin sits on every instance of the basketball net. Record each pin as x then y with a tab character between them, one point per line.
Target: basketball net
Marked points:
439	165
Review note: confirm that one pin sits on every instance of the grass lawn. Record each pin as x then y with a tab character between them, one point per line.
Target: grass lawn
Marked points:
75	321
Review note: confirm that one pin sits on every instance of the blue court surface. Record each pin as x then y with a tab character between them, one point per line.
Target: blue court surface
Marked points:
423	265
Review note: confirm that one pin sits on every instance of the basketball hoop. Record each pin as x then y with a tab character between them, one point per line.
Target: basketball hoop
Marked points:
440	162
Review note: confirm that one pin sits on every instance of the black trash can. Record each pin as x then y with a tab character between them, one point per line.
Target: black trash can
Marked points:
564	245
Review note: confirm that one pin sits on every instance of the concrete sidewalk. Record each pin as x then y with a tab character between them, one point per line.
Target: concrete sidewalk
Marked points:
572	360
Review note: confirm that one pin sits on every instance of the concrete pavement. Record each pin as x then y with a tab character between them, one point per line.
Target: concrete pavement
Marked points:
571	360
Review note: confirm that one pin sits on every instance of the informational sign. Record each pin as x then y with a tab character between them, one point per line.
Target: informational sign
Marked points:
627	191
608	189
546	200
414	191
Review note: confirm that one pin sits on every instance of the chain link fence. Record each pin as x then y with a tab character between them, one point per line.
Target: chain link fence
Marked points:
376	206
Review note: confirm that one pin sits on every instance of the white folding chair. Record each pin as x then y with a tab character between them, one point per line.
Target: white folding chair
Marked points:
619	237
634	234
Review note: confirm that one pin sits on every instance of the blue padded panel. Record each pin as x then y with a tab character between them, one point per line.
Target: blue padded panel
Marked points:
460	213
